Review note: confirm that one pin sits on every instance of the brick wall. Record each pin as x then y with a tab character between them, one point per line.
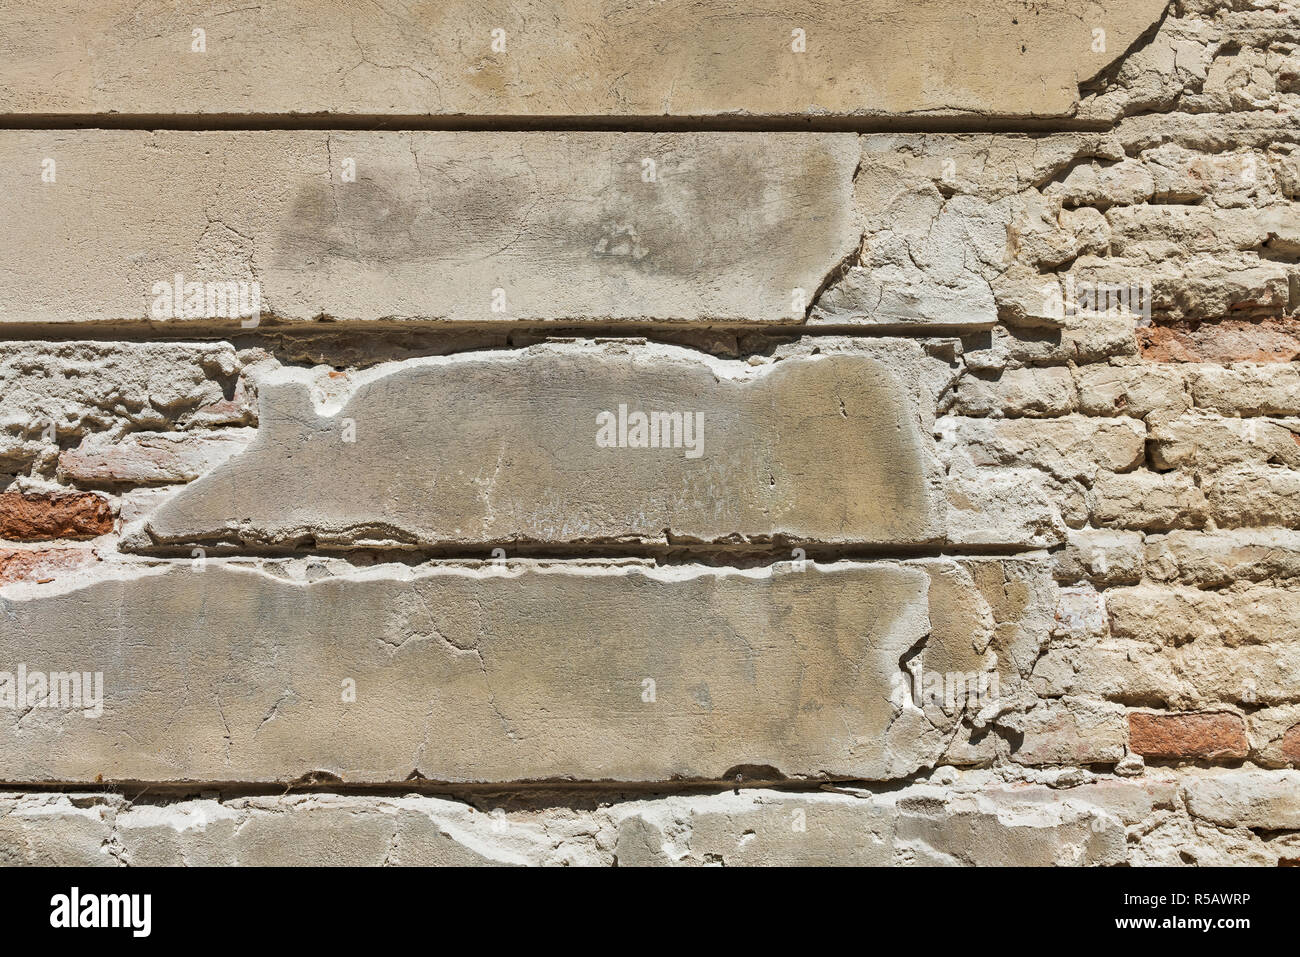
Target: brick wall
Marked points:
820	458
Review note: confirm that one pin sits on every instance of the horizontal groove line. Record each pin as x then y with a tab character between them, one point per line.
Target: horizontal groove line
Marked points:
674	553
141	331
266	122
596	791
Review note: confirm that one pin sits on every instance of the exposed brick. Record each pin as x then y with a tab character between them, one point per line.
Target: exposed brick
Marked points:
1214	736
1255	615
1291	743
151	457
1072	732
1037	392
1253	495
1248	798
40	565
1147	500
31	516
1246	390
1228	340
1136	390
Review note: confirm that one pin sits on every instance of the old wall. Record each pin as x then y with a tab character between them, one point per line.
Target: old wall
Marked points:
825	432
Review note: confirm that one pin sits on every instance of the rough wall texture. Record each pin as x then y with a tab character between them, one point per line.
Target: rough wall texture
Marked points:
896	461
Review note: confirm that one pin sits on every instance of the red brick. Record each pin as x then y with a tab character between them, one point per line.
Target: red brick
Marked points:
1291	744
1211	736
1228	340
29	517
151	457
40	565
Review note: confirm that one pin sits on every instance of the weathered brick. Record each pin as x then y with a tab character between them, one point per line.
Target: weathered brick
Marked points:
1186	176
56	392
1186	648
1046	236
992	506
1198	675
32	516
1071	731
1174	615
1210	737
1250	495
1224	340
1070	447
1258	799
1016	392
1247	390
1083	337
1291	744
1026	298
1021	597
1205	442
1266	730
1177	841
41	564
143	458
1080	612
1129	801
1148	500
1115	671
1036	392
1220	558
1130	390
1104	184
1165	231
1206	305
1102	555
